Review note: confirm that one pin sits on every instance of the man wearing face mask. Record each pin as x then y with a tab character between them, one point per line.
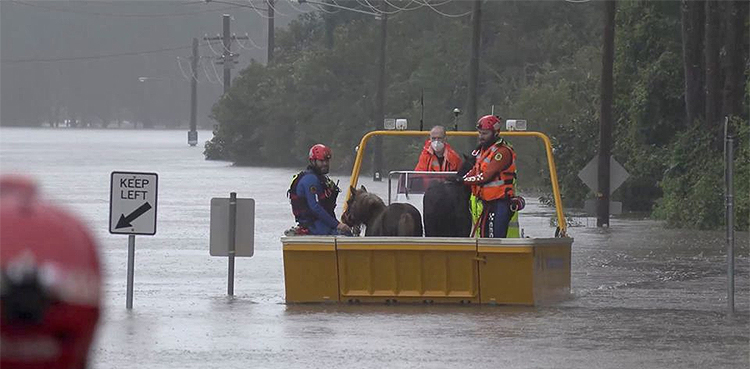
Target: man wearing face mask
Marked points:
437	155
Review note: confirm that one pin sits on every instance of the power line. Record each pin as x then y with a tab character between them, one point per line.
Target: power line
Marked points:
249	6
275	10
182	71
433	7
405	8
93	57
291	4
120	15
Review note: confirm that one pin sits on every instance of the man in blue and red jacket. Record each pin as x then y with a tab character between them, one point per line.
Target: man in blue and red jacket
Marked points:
313	196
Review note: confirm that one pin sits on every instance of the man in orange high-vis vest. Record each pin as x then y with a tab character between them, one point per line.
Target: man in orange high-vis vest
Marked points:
437	155
492	179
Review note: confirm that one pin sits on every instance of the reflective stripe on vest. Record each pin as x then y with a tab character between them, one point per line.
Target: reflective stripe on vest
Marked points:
502	187
514	230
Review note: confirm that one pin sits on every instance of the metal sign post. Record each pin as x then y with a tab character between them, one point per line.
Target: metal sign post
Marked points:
132	211
131	267
226	239
230	241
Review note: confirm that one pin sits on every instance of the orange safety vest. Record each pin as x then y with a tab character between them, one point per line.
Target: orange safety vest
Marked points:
429	162
497	188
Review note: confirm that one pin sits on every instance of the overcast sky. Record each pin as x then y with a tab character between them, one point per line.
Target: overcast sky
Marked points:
63	52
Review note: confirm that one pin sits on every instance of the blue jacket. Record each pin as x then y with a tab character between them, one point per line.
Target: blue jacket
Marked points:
320	221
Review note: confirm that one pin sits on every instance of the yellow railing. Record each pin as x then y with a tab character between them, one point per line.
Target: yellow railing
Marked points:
547	145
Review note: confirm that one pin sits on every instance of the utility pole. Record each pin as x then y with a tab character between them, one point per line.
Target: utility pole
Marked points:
193	133
269	10
605	116
476	35
226	54
380	98
271	45
227	58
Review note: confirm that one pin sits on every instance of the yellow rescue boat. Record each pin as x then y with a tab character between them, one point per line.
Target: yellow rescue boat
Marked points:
504	271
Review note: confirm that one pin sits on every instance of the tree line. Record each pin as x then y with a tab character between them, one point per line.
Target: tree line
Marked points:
680	68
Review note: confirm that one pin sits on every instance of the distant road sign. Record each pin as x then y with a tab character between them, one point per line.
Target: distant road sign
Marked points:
132	203
617	176
244	237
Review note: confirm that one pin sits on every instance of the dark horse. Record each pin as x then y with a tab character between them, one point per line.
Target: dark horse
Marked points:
446	206
393	220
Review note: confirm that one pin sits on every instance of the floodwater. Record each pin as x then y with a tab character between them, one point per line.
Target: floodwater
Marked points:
644	296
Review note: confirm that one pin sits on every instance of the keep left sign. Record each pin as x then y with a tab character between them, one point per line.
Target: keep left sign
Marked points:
132	203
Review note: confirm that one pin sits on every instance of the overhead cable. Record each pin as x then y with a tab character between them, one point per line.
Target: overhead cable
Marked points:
216	73
433	7
182	71
405	8
291	3
254	45
276	11
381	11
323	9
120	15
214	51
205	71
41	60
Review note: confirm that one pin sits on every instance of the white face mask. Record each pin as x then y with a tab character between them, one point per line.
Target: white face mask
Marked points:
437	146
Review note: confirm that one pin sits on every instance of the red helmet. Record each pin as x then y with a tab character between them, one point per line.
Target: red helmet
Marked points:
51	282
319	152
489	123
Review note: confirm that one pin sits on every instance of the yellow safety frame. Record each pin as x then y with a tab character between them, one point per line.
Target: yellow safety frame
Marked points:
547	144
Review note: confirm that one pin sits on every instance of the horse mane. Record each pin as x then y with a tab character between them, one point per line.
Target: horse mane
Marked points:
466	165
364	206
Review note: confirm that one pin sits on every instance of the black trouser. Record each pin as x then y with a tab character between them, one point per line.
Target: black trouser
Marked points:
496	216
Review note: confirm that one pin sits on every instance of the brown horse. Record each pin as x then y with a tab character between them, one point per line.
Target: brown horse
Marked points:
393	220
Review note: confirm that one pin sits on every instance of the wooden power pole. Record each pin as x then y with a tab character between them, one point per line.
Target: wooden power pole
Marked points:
605	115
476	34
380	99
193	133
271	44
227	58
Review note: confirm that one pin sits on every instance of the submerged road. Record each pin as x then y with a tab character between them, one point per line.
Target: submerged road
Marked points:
644	296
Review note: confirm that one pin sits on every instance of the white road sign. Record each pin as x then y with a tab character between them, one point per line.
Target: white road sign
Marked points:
132	203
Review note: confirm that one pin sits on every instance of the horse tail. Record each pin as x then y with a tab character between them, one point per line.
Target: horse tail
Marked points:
405	226
408	225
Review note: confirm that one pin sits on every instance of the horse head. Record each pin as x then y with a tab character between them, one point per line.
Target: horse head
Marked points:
352	215
361	207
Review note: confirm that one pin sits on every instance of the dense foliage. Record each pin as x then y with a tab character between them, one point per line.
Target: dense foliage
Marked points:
546	69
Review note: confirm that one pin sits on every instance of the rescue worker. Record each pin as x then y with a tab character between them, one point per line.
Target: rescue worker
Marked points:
50	289
437	155
492	180
313	197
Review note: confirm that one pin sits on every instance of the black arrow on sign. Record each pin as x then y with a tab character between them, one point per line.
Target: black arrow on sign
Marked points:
125	220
